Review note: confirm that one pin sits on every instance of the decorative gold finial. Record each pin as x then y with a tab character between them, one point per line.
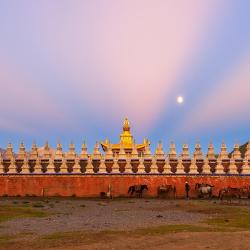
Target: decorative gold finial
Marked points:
126	125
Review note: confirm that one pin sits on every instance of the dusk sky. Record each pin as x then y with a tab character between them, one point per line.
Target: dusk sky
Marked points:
72	70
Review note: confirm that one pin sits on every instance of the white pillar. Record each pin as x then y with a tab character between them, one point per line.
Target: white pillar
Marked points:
141	167
154	168
102	167
219	168
115	168
89	167
1	167
12	167
128	166
206	168
180	167
193	167
246	167
63	168
25	167
38	167
232	167
50	167
77	167
167	167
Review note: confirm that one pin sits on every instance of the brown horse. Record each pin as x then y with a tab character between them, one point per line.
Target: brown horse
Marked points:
165	190
137	189
230	193
245	192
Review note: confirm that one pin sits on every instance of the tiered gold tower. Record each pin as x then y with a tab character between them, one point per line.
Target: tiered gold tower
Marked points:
126	142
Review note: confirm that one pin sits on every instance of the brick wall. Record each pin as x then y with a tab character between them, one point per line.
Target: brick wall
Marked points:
92	185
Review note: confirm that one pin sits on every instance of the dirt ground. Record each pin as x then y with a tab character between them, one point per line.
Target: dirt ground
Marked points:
71	223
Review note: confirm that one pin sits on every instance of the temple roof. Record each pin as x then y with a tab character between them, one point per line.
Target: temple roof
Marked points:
126	140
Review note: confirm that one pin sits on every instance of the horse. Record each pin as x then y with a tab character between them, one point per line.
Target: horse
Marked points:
245	191
138	189
166	190
230	193
204	189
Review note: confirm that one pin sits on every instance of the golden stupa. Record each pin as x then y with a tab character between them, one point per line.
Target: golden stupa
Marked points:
126	141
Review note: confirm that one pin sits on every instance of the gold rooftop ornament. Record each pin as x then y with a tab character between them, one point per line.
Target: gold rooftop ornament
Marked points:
126	139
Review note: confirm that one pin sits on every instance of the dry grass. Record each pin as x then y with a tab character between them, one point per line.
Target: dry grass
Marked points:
218	218
237	220
13	212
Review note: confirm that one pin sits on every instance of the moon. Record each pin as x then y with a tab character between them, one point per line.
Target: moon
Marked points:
180	99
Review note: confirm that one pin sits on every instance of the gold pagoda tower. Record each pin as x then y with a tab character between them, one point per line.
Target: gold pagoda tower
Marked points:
126	142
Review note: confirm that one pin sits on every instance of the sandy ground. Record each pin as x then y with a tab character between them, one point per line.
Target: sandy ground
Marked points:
175	241
121	215
75	215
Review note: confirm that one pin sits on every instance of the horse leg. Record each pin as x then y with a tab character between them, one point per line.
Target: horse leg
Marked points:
174	192
221	197
210	194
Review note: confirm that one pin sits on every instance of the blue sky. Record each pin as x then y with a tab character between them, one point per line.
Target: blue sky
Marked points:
72	70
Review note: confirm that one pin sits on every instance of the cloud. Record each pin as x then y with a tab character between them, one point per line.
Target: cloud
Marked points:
101	60
24	106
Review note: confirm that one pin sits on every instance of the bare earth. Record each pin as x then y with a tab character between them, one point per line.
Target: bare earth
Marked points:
71	223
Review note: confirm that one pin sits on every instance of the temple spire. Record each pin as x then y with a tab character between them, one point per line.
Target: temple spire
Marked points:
126	137
126	125
210	152
34	151
58	153
172	151
236	153
126	141
22	153
159	150
223	153
198	152
84	152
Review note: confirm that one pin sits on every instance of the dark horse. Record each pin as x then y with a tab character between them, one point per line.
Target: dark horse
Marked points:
165	190
138	189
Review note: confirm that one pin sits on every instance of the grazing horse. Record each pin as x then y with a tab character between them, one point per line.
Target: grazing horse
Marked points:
204	189
165	190
138	189
230	193
245	191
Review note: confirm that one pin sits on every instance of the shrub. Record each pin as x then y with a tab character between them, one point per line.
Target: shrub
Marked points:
38	205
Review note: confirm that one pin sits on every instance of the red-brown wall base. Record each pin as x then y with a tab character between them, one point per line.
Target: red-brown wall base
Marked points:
92	185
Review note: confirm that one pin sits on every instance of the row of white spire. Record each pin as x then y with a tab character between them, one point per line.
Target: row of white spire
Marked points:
47	153
96	162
